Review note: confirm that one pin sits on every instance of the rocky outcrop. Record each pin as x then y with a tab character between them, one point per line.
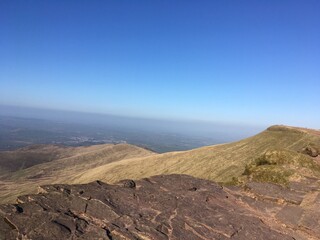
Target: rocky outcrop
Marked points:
311	151
164	207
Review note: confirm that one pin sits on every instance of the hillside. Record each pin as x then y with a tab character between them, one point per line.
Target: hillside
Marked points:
219	162
11	161
56	163
279	149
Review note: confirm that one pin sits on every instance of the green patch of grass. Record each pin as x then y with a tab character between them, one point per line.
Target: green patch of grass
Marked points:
274	174
277	166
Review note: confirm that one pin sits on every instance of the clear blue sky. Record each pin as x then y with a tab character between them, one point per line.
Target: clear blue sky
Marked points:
254	62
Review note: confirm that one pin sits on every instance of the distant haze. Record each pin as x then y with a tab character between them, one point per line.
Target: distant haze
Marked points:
222	132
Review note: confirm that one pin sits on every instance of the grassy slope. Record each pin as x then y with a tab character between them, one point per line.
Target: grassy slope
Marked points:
281	167
219	163
58	171
84	160
11	161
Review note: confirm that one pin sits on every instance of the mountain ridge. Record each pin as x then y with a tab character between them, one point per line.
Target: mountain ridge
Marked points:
225	163
202	161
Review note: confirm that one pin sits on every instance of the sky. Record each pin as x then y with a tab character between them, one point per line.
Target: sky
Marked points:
248	62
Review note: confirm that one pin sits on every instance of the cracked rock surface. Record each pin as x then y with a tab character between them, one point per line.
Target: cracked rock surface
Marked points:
160	207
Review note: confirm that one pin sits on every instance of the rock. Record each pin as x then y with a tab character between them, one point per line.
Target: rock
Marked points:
129	183
161	207
312	152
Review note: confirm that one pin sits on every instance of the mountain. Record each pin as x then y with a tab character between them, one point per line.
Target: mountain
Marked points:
266	186
279	154
219	162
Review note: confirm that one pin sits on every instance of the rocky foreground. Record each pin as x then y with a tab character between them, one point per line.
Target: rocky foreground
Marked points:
165	207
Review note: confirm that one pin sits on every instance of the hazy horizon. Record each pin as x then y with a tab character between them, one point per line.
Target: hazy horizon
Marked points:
21	126
188	127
